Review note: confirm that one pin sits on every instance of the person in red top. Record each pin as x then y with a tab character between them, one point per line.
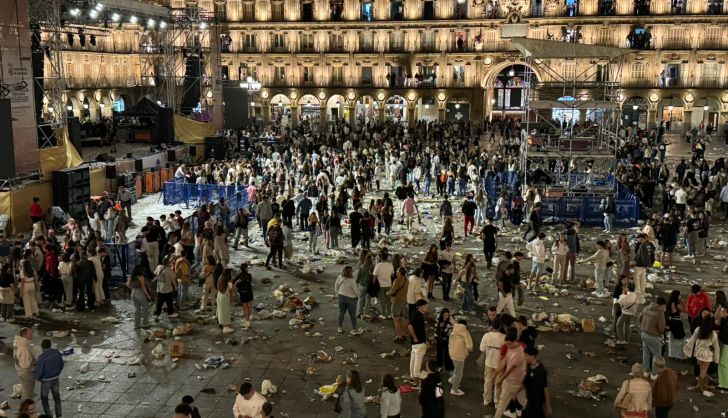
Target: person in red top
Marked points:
36	212
697	301
52	283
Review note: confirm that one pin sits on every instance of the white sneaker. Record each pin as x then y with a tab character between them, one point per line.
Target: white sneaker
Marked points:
457	392
341	330
228	330
174	315
449	380
487	403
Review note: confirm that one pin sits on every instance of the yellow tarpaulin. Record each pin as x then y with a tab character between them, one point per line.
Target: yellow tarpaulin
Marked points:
60	157
98	180
190	131
16	203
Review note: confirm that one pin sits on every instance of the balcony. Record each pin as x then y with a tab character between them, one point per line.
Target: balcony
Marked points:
679	82
713	44
676	44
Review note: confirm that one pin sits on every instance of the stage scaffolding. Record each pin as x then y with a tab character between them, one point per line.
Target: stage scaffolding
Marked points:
589	151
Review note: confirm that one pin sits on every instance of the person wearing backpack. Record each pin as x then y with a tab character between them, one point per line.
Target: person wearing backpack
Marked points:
431	393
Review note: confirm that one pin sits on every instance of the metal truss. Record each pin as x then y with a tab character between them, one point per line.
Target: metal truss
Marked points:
45	18
589	148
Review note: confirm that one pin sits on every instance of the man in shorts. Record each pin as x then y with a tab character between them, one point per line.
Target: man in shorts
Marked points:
410	210
537	250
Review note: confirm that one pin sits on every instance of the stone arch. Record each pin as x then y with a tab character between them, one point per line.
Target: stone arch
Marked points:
395	108
492	73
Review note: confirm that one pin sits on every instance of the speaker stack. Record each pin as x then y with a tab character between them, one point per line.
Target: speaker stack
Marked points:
191	95
71	190
215	147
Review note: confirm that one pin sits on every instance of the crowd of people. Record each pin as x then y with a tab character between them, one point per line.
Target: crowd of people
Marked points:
366	185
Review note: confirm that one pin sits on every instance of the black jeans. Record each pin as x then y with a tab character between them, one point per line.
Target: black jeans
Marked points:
662	411
85	286
275	249
304	221
488	252
163	298
446	284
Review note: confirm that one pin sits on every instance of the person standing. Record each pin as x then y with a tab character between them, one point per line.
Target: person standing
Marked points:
628	305
601	260
634	399
7	294
241	228
36	211
244	284
224	292
608	208
264	213
313	230
572	241
468	208
460	345
490	345
25	361
48	372
664	389
559	250
489	235
347	293
391	399
721	324
653	325
443	328
140	297
416	330
124	196
352	399
538	397
400	309
431	393
29	287
537	250
183	278
248	402
166	286
704	346
85	276
274	239
383	273
511	372
505	291
364	279
644	258
446	260
303	211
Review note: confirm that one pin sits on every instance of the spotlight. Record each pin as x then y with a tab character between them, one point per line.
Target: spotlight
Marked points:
85	106
93	13
203	25
162	24
99	7
69	108
133	19
75	12
115	17
102	106
457	105
151	23
50	109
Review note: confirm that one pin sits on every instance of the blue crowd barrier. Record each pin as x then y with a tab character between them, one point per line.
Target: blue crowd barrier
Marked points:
177	192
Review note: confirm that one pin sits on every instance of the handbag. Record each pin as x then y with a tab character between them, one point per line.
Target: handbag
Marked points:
373	288
626	401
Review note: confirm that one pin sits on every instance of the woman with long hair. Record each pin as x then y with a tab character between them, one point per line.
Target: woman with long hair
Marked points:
559	250
140	296
224	294
208	286
313	230
676	333
467	280
244	285
447	234
390	401
347	293
7	293
28	289
704	347
623	255
67	270
221	250
351	400
443	328
430	268
364	278
634	399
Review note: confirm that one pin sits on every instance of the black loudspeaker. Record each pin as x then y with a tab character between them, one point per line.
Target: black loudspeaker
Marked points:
72	189
193	151
111	171
37	62
74	132
191	95
165	126
139	165
236	107
171	155
7	156
215	147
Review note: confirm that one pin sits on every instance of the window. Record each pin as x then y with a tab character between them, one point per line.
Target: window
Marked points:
461	41
712	39
367	11
280	74
249	41
427	38
572	8
336	9
396	11
277	11
461	9
366	41
337	75
226	43
278	41
221	12
641	7
307	74
715	7
606	7
677	7
366	76
428	10
396	41
336	42
247	70
637	71
307	42
676	38
605	36
307	11
249	11
458	74
639	38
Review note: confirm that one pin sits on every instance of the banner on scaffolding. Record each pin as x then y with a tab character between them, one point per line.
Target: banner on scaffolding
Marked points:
17	82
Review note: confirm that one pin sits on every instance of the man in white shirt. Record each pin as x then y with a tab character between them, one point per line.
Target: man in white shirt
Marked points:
490	345
248	403
383	272
681	200
537	249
